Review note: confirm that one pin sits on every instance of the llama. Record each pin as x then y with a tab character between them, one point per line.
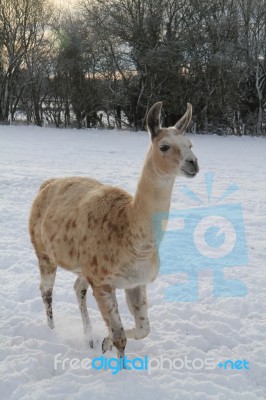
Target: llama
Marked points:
105	236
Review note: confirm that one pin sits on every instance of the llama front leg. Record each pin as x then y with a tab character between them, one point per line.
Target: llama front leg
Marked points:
81	287
138	306
107	303
48	272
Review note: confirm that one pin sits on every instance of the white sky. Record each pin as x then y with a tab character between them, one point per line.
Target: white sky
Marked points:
65	3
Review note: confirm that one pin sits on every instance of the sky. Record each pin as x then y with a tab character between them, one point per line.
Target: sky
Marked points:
65	3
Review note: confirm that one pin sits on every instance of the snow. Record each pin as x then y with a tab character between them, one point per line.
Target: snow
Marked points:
217	328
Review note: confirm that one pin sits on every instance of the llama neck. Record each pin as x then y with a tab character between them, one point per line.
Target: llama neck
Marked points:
154	189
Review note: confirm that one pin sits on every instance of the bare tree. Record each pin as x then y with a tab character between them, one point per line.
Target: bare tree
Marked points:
21	24
119	56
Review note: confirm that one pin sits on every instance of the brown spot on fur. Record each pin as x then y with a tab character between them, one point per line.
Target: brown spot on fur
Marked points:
68	225
94	261
120	212
107	288
142	318
66	187
71	253
74	225
106	258
113	227
92	221
44	257
137	308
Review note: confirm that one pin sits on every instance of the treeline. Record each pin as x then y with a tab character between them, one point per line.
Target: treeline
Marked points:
108	61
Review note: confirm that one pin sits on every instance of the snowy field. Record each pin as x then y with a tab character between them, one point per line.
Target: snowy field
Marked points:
217	328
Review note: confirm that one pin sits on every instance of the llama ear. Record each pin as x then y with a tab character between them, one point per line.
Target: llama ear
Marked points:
184	122
154	119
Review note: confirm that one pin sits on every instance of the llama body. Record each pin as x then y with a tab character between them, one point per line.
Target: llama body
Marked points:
94	231
105	236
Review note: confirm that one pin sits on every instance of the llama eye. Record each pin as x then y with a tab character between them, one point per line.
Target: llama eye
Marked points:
164	147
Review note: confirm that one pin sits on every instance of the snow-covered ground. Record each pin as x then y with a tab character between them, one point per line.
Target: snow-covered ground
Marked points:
217	328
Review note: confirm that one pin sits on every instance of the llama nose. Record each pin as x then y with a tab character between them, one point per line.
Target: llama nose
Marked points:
194	164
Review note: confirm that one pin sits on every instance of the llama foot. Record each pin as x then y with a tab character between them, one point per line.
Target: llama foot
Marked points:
88	339
50	323
89	342
107	344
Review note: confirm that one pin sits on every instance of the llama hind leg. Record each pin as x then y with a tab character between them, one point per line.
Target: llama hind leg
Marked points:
48	272
81	286
138	306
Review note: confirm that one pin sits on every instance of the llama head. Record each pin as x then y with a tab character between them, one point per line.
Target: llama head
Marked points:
171	150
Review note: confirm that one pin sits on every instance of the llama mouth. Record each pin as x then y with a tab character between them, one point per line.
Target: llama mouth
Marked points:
188	173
